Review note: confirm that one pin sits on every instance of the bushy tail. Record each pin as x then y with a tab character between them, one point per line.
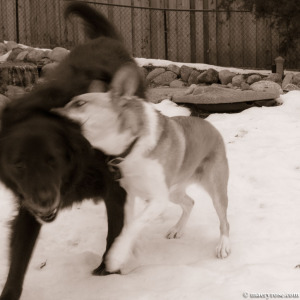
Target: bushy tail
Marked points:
95	23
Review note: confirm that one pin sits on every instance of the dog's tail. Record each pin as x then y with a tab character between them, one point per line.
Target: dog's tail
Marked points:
95	23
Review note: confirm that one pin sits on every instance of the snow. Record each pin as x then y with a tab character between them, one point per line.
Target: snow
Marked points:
263	148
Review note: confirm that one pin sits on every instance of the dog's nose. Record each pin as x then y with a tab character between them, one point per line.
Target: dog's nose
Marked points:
46	197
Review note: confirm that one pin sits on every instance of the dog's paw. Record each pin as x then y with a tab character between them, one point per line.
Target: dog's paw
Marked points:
223	249
174	233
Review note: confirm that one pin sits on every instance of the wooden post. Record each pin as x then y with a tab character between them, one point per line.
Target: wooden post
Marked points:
279	65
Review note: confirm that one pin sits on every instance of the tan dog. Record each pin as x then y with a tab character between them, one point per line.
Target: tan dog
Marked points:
160	157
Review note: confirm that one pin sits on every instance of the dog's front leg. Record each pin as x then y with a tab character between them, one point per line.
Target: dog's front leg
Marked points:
115	202
25	230
122	247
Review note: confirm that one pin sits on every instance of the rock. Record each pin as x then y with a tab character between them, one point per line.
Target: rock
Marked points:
3	49
185	72
35	55
253	78
217	95
245	86
267	86
288	79
274	77
48	69
177	83
226	76
14	54
190	89
144	72
14	91
193	79
154	73
296	79
209	76
22	55
238	80
58	54
291	87
11	45
174	69
164	78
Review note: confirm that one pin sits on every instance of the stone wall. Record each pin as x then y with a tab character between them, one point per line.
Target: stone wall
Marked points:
172	75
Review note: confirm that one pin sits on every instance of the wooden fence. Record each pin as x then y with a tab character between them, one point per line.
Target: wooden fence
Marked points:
179	30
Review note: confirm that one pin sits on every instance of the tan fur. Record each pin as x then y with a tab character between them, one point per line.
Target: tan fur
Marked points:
169	155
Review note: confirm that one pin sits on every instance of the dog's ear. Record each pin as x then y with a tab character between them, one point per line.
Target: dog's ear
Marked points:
127	81
97	86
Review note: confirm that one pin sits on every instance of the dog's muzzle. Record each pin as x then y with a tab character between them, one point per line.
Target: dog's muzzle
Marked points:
48	217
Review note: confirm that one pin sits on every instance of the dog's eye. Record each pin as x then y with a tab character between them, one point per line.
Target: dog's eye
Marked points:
79	103
19	165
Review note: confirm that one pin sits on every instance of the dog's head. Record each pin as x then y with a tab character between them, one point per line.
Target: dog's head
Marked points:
110	121
37	159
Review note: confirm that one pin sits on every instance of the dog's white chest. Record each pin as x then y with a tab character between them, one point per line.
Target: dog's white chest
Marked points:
142	177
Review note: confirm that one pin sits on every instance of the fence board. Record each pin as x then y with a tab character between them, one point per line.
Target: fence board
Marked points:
157	30
141	29
172	32
223	39
249	38
199	45
183	31
212	32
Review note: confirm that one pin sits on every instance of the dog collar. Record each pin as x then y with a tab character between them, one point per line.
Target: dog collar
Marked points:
114	161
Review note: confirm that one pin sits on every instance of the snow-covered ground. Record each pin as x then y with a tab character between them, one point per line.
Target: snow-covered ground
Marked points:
263	147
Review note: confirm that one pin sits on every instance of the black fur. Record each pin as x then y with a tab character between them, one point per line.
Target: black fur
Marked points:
44	158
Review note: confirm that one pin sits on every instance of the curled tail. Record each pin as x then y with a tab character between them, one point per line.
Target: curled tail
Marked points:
95	23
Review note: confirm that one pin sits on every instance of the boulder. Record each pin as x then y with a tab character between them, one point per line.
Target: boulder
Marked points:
226	76
58	54
154	73
11	45
245	86
290	87
274	77
238	80
296	79
288	79
35	55
267	86
185	72
177	83
193	79
253	78
144	72
3	49
209	76
22	55
164	78
14	54
48	69
174	69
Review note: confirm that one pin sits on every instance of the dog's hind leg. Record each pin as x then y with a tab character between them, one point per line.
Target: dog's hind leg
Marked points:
214	180
187	204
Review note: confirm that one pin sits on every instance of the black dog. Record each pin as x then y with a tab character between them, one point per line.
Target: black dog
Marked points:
44	158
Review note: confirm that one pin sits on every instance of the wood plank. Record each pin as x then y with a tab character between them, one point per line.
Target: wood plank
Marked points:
157	30
141	29
249	38
223	39
172	37
183	32
199	34
212	32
